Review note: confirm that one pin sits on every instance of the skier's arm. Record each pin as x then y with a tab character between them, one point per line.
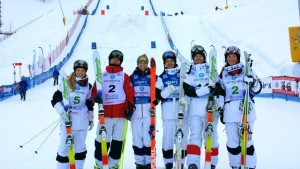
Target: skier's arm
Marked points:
256	85
128	88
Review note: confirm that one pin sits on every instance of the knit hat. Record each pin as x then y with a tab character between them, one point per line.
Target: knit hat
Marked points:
143	57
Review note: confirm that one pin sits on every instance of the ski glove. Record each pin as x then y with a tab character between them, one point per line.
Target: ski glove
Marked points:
129	110
57	97
201	91
91	124
98	100
61	111
64	115
249	80
155	102
184	101
213	91
167	91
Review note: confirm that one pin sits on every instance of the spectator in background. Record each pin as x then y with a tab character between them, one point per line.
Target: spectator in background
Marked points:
85	11
23	88
55	76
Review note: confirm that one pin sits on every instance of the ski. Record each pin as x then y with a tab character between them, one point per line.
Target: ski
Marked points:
101	118
68	123
152	112
211	108
244	127
182	108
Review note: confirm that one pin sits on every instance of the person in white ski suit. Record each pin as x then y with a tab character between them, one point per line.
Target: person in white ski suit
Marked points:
118	101
81	117
167	90
234	80
140	120
196	88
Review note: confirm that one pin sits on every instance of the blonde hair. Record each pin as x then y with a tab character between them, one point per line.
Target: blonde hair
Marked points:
71	81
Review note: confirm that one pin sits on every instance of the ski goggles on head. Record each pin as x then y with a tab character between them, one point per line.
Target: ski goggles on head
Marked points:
197	49
168	54
232	49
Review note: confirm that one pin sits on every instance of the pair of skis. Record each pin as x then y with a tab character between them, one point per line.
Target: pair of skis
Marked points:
245	127
68	108
212	108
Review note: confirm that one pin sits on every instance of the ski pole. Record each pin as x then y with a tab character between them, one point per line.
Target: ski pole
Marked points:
21	146
36	151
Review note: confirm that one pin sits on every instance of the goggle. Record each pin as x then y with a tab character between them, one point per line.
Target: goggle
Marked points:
232	49
169	54
198	49
116	54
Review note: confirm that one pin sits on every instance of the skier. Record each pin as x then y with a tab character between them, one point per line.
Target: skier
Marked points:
140	121
167	90
55	76
118	101
196	88
233	81
81	117
85	11
23	88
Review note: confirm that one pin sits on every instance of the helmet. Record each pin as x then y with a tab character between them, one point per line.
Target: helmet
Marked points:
197	49
115	54
169	55
233	50
80	64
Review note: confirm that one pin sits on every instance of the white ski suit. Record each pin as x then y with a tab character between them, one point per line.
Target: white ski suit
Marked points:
169	106
234	87
196	88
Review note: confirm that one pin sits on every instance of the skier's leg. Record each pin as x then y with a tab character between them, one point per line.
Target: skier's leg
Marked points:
137	141
80	147
146	141
168	141
233	144
195	141
117	141
251	155
62	152
215	143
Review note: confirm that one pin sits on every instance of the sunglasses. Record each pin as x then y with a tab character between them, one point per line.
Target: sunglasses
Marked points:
168	54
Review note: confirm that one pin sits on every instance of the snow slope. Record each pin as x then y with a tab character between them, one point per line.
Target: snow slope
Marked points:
264	33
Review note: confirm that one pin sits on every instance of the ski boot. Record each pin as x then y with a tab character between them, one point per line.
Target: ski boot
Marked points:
213	166
116	166
236	167
139	166
169	166
193	166
148	166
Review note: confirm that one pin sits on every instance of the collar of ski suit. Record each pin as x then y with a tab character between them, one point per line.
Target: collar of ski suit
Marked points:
114	69
234	67
172	71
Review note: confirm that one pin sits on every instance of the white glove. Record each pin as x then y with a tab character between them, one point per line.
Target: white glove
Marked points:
167	91
63	115
91	124
183	101
202	91
249	80
61	111
171	89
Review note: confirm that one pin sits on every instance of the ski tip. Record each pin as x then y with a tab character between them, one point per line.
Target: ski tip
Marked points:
212	46
224	47
152	62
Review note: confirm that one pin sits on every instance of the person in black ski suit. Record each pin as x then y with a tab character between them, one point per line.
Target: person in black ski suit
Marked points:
23	88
